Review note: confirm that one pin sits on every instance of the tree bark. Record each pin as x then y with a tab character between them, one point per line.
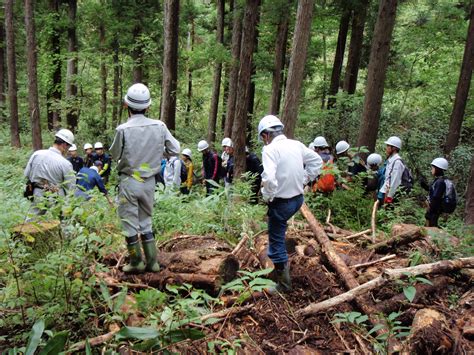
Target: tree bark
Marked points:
281	42
11	67
251	93
294	80
339	56
54	91
170	64
234	69
462	90
137	55
469	210
398	240
31	59
117	98
212	123
355	47
103	76
189	95
376	74
2	68
71	80
239	128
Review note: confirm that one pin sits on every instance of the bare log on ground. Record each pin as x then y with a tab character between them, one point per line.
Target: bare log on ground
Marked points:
334	259
439	267
204	262
99	340
405	237
373	220
373	262
355	235
422	290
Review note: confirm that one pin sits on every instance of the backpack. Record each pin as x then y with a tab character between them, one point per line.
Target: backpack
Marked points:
327	181
407	177
450	198
184	172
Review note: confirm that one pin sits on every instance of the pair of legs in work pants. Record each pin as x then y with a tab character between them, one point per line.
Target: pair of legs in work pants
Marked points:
136	200
279	212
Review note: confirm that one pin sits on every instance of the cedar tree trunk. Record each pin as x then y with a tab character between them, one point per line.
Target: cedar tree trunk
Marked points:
103	76
469	211
71	84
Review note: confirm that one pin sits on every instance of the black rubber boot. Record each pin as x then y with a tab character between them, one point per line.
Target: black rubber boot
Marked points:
282	278
149	247
136	264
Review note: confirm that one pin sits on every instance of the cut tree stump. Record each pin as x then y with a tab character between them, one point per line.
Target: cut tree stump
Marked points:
405	236
186	242
261	246
41	236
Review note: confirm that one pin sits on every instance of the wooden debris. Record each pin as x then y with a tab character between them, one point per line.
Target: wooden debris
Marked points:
99	340
388	275
373	220
357	234
373	262
241	243
405	237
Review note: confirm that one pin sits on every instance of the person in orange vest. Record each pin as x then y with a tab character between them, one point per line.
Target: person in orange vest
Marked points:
327	181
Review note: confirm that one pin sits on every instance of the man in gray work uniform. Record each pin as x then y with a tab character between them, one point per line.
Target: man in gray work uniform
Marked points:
49	171
138	147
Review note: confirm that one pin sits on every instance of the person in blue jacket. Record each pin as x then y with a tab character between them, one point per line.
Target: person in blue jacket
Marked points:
437	192
88	178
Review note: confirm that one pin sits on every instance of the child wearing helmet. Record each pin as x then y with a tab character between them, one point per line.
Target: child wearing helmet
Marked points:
438	194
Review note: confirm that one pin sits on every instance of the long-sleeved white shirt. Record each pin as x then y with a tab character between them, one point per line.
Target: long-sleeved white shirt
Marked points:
287	166
172	173
393	175
49	166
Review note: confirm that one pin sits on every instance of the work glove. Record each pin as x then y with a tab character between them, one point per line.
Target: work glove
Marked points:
388	200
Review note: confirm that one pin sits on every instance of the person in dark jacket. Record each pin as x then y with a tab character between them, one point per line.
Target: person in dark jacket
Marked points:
105	159
88	178
76	161
437	192
255	167
89	155
210	166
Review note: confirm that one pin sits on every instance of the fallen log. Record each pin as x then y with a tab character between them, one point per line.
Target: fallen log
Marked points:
422	290
334	259
373	220
439	267
403	238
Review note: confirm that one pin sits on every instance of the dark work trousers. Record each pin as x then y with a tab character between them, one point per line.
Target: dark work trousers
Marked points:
279	212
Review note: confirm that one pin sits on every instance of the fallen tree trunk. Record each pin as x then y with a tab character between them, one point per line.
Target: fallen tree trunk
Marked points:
334	259
403	238
439	267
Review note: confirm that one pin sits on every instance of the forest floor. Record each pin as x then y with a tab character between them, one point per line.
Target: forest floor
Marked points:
268	323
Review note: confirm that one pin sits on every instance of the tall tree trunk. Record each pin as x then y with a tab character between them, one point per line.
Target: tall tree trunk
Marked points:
325	69
2	69
71	79
189	95
462	90
339	56
294	81
211	129
227	43
170	64
281	42
249	27
103	76
33	102
376	73
117	99
251	94
234	69
355	47
469	210
137	55
11	67
54	91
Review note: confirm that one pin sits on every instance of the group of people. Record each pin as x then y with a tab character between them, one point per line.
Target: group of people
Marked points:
141	144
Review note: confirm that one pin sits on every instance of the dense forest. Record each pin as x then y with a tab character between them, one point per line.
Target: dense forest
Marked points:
358	70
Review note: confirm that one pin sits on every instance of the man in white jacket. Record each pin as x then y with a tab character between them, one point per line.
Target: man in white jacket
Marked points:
172	173
393	171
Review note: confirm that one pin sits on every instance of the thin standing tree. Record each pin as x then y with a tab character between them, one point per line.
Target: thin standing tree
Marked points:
103	75
339	56
249	25
137	53
304	16
11	68
31	65
71	78
2	67
170	63
53	94
355	46
211	129
115	89
234	69
462	90
469	210
378	63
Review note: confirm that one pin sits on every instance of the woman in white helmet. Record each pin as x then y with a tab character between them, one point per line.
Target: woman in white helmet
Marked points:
438	190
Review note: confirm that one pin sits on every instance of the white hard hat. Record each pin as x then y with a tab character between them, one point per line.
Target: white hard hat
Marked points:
98	145
341	147
269	122
374	159
87	146
72	148
187	152
138	97
440	163
66	135
311	145
320	142
247	149
203	145
394	141
227	142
